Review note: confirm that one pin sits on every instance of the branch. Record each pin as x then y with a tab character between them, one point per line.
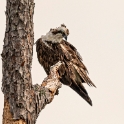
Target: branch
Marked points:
34	100
44	94
40	95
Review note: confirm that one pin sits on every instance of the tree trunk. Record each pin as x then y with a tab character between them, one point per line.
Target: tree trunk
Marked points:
22	100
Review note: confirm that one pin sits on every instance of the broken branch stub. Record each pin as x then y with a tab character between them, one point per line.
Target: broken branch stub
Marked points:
52	82
44	94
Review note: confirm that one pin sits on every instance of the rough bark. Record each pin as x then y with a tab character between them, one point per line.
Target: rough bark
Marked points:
22	100
36	99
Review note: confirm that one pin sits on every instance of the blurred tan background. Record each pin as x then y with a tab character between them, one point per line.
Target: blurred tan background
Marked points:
97	31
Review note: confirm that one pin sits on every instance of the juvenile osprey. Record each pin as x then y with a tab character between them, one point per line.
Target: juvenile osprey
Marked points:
53	47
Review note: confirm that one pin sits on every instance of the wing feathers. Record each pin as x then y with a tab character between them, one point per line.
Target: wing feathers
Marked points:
76	62
84	75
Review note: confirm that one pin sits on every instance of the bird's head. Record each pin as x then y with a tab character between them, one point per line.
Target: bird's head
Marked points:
56	35
60	32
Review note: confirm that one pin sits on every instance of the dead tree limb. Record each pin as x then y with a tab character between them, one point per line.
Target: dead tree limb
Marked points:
36	99
22	100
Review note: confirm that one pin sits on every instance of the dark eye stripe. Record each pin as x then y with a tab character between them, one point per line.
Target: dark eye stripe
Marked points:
59	32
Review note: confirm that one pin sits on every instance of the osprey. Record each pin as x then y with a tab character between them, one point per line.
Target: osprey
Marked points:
52	48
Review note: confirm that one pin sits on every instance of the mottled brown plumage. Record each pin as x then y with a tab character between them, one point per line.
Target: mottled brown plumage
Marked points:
51	48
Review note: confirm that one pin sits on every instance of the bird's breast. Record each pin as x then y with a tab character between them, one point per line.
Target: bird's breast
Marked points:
51	55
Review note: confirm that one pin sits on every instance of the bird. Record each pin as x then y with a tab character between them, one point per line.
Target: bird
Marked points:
54	47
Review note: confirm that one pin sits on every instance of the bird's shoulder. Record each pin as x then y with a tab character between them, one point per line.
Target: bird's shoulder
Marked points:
71	50
75	55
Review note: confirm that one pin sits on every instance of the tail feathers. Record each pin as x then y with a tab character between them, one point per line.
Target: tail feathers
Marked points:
83	94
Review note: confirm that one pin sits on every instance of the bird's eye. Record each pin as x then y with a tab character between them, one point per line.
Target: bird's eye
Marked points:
63	33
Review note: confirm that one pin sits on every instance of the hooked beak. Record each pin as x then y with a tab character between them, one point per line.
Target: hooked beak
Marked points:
65	37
